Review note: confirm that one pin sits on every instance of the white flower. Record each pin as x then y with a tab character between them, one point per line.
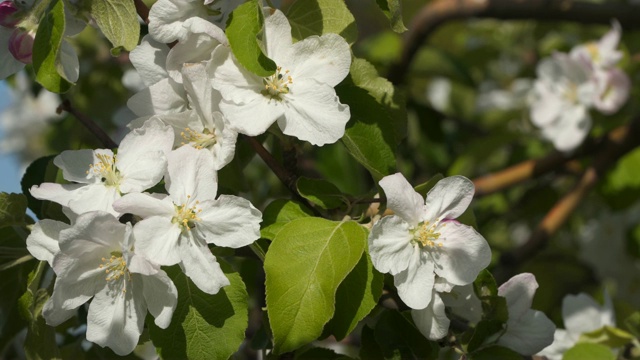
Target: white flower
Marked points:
602	54
581	314
101	177
96	259
563	93
300	96
166	17
423	240
432	321
176	228
613	89
528	331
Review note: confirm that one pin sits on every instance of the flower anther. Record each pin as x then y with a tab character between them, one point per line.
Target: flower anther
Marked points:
277	84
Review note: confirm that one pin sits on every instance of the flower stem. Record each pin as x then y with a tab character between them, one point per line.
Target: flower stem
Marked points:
89	124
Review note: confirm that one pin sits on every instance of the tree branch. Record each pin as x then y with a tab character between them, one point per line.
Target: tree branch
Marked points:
439	12
142	10
94	128
530	169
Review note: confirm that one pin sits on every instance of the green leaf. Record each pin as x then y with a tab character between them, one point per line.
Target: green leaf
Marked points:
13	208
365	76
586	351
399	339
607	335
279	213
633	324
118	21
494	307
485	285
244	25
204	326
317	17
392	9
305	264
40	171
320	192
621	186
319	353
424	188
369	348
356	297
495	353
46	46
369	135
475	337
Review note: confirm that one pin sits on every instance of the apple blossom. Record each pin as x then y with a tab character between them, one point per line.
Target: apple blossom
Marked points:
96	259
176	228
602	54
423	240
300	95
581	314
101	177
432	322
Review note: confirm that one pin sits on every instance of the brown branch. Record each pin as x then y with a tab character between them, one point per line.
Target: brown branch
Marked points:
530	169
142	10
613	150
94	128
439	12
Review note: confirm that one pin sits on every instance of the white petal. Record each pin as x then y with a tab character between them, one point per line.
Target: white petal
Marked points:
402	199
145	205
614	88
277	36
449	198
519	292
97	227
235	83
116	318
415	284
157	238
464	303
42	243
200	265
581	314
75	164
529	334
161	297
165	96
432	321
463	254
150	58
562	341
190	176
67	62
230	221
390	245
58	193
254	117
166	18
95	197
570	130
224	150
547	107
313	113
326	59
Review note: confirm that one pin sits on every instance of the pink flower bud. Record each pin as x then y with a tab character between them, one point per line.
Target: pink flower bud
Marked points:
21	45
9	16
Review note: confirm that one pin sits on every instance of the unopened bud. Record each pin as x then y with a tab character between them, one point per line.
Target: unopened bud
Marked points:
9	15
21	45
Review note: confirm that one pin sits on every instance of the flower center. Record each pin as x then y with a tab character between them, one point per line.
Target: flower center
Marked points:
115	267
277	84
571	92
594	51
426	234
199	140
186	217
105	169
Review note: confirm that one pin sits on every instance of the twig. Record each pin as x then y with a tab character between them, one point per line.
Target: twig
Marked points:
530	169
439	12
96	130
142	10
613	150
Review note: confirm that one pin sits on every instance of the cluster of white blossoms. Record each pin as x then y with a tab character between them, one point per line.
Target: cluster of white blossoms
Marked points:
198	98
569	85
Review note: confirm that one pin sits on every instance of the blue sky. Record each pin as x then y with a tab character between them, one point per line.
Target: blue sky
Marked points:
9	166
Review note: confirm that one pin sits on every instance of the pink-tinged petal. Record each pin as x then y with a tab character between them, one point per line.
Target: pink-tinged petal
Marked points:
613	90
58	193
157	238
325	59
21	45
432	321
116	317
462	255
277	36
145	205
149	58
449	198
75	165
190	176
415	284
232	80
161	297
528	334
581	314
230	221
313	113
253	117
390	245
8	64
402	199
570	130
519	292
10	15
165	96
200	265
42	243
607	45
